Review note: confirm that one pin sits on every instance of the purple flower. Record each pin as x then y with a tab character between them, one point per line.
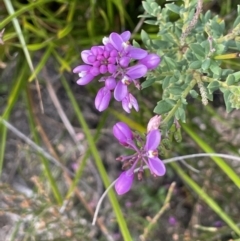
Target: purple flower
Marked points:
128	102
172	221
218	224
122	132
144	153
120	91
102	99
84	73
132	73
110	83
151	61
119	64
124	182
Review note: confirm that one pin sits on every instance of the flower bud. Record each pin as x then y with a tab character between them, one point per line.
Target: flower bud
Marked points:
124	182
151	61
154	123
102	99
110	83
122	132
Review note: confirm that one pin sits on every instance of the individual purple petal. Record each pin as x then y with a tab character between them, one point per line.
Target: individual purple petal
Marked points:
84	55
109	47
124	61
91	58
120	91
94	50
106	54
126	36
103	69
116	41
112	60
85	79
137	71
100	58
81	68
136	53
122	132
94	71
156	166
110	83
112	68
96	63
153	140
133	102
128	102
124	182
114	53
151	61
125	105
102	99
100	50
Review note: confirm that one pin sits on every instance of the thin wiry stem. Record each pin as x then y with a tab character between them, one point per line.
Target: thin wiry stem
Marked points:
173	159
100	201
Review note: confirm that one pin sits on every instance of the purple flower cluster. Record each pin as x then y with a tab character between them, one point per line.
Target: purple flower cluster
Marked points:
115	61
145	154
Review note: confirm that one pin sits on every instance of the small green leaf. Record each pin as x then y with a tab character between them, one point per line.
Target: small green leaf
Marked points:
175	90
151	22
215	68
195	64
197	49
166	82
217	28
207	16
226	72
145	37
230	79
164	106
153	5
161	44
226	95
170	63
148	82
236	22
147	7
236	76
206	63
135	44
194	93
180	114
172	7
214	85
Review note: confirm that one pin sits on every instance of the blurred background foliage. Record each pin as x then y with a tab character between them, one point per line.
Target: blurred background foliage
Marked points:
39	200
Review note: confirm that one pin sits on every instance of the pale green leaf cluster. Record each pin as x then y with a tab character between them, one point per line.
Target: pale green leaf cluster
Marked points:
192	49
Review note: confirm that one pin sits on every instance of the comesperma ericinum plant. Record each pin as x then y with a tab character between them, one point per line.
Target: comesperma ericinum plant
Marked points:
192	49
